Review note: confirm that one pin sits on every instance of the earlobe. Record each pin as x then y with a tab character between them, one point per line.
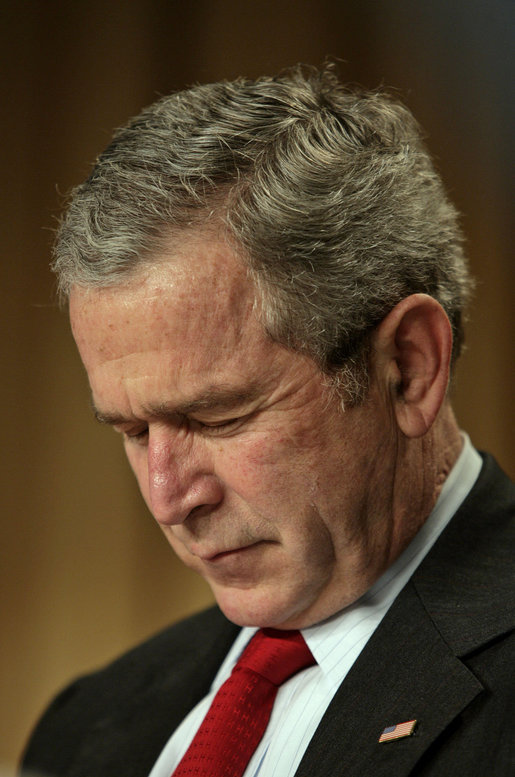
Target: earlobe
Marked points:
413	347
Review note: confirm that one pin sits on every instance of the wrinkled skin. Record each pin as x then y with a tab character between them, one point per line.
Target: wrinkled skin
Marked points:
288	506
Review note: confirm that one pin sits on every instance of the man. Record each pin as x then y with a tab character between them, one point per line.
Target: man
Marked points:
266	286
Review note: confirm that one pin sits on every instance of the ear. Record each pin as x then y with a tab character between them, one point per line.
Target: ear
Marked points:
412	351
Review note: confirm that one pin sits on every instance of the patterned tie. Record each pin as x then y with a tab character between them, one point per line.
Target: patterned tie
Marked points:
240	711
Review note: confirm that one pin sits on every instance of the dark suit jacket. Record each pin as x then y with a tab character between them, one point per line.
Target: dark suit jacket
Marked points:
441	655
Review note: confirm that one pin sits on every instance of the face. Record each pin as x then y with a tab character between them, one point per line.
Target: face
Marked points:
258	479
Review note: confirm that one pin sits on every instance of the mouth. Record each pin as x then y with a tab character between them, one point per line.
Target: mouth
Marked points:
221	555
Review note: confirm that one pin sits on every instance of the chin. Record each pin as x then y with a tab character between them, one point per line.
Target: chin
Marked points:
250	608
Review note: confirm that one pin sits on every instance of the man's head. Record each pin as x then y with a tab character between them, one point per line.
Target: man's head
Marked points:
242	257
327	194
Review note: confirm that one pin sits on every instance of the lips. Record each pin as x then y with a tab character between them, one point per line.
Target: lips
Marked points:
220	555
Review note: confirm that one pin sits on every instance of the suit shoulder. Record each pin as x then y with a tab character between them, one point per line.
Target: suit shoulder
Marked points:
178	640
181	643
159	680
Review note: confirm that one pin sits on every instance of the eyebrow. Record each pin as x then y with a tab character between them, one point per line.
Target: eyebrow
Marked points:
216	398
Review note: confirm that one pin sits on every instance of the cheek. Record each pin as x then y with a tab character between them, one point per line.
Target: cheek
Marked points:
276	481
254	466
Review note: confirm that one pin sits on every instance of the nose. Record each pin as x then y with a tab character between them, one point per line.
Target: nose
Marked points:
179	480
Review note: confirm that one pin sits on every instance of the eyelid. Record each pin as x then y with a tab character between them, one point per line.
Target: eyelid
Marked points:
218	427
134	436
210	428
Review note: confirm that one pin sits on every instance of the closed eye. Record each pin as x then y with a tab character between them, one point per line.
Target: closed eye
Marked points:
139	437
213	428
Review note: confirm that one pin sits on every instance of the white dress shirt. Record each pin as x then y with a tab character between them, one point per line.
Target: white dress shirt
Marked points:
336	643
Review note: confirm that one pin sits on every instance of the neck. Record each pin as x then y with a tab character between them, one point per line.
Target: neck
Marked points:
423	466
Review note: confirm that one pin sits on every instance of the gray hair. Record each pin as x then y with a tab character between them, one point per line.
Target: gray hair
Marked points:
327	192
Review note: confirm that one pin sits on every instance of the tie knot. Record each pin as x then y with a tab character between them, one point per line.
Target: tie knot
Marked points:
276	655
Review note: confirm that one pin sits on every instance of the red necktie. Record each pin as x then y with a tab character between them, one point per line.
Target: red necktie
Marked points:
240	711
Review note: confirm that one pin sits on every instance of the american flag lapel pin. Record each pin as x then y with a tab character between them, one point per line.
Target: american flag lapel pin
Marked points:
398	731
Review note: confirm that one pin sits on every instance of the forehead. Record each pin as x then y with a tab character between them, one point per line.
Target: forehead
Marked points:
197	292
186	324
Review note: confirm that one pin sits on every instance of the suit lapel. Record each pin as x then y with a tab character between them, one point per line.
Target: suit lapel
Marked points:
406	672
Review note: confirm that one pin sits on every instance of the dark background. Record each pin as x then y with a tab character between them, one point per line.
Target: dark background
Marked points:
84	571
